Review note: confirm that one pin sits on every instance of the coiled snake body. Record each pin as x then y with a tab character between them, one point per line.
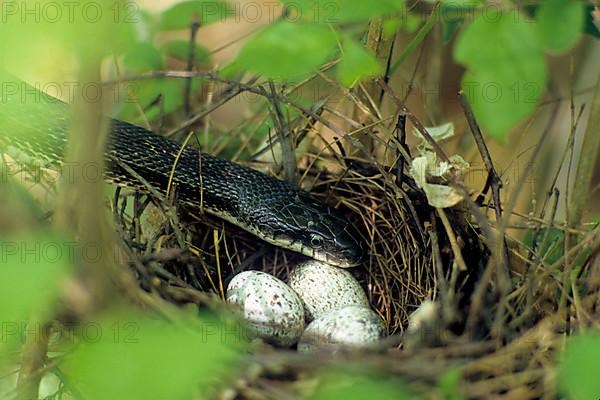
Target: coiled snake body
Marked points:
33	129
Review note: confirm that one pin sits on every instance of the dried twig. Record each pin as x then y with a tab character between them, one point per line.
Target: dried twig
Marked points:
191	61
493	180
286	140
402	106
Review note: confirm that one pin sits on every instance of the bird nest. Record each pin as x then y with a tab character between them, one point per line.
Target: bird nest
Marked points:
496	321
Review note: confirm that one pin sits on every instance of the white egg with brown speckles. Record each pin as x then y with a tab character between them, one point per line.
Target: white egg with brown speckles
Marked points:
272	310
323	287
349	326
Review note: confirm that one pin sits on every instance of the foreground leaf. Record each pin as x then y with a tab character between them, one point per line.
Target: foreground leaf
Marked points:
504	82
87	29
339	11
182	14
578	372
560	23
138	358
32	269
357	63
286	50
340	386
143	57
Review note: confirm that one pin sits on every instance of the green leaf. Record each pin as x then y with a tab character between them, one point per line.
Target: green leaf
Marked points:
146	25
338	11
453	15
286	50
449	384
578	371
135	358
357	63
181	15
31	268
146	92
550	246
18	204
50	30
560	23
391	26
464	4
504	82
338	386
180	49
410	23
550	243
143	57
448	29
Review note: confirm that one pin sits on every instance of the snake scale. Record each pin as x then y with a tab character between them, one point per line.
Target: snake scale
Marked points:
33	129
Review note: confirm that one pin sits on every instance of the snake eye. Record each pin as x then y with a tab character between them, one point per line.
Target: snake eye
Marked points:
316	241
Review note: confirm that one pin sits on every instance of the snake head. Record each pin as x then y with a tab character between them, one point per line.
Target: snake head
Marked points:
322	233
291	218
335	241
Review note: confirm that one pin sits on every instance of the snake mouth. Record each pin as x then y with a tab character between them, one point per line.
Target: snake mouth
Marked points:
347	258
344	258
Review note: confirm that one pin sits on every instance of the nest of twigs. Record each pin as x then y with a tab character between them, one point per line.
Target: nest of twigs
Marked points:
498	318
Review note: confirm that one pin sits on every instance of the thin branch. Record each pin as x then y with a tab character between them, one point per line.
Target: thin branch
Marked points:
493	179
191	61
286	140
402	106
401	133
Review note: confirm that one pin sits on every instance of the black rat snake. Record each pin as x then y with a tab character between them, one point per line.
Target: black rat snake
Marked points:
33	130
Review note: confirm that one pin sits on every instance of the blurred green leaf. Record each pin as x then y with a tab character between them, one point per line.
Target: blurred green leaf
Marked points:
359	387
147	93
550	246
143	57
15	198
137	358
409	23
449	383
560	23
504	82
285	49
552	240
339	11
391	26
147	26
578	371
87	29
453	15
182	14
449	28
464	4
31	268
357	63
180	49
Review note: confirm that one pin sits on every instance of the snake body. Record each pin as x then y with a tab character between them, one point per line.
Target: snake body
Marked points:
33	129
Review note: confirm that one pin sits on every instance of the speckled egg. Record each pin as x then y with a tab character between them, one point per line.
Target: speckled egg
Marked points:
352	326
323	287
273	311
